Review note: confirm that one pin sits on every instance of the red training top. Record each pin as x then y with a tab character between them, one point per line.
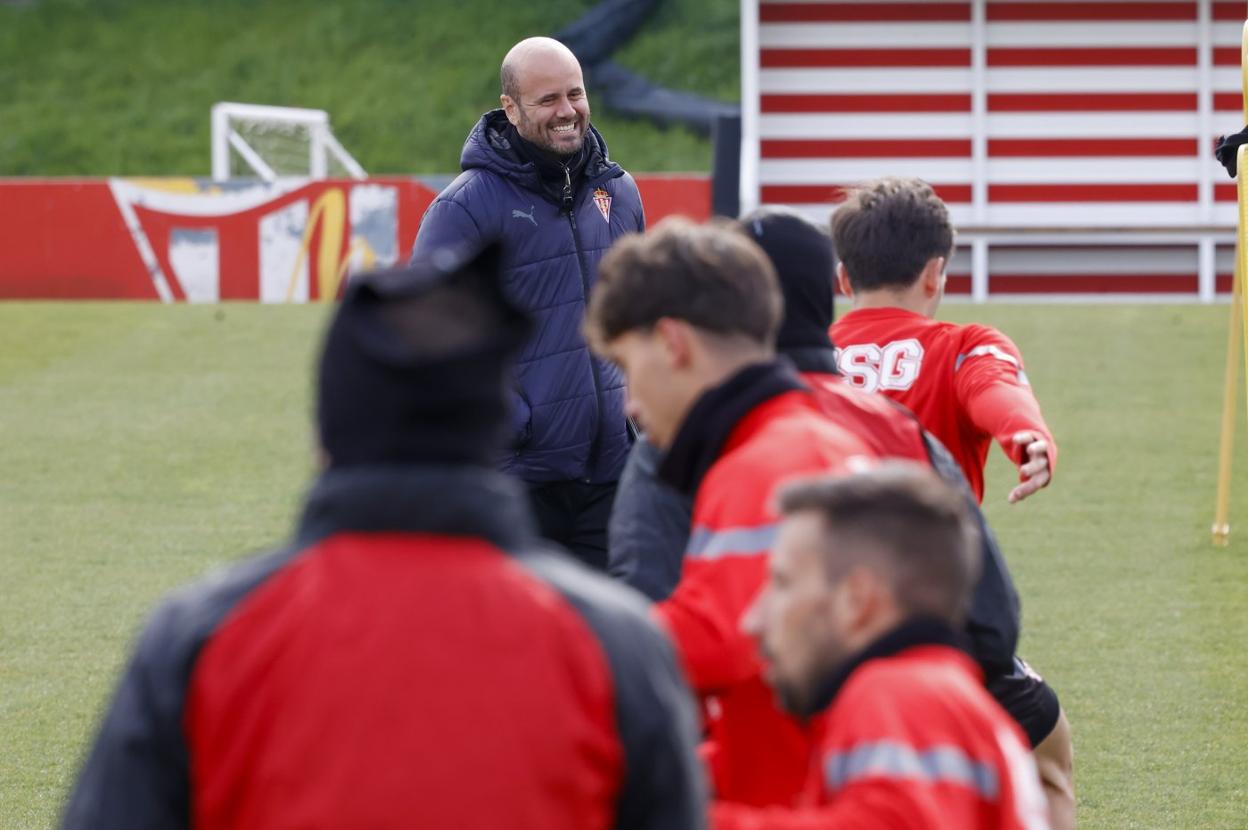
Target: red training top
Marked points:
965	383
758	754
912	741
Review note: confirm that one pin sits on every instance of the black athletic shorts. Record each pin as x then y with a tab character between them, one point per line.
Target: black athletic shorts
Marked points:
1028	699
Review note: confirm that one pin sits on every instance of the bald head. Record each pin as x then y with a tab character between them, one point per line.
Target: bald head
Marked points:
544	95
529	52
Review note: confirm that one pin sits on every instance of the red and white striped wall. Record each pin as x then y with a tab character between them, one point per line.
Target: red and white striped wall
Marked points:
1055	120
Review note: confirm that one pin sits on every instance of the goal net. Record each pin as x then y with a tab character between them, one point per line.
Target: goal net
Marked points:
249	140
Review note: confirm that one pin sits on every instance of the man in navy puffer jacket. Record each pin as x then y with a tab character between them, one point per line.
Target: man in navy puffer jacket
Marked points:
537	175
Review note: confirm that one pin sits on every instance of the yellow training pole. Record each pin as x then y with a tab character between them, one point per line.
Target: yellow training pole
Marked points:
1221	525
1238	332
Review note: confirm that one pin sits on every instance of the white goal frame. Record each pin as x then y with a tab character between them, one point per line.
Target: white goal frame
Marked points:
323	144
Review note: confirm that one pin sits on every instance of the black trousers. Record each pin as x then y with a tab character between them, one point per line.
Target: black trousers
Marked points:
574	514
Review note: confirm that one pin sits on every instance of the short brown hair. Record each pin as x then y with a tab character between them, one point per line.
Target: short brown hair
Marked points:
888	229
903	521
707	275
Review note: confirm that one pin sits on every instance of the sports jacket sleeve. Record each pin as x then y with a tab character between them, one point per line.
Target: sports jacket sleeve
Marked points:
993	391
631	183
446	223
994	619
137	773
725	566
649	527
664	786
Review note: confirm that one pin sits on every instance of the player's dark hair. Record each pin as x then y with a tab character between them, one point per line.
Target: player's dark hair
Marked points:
888	229
707	275
901	520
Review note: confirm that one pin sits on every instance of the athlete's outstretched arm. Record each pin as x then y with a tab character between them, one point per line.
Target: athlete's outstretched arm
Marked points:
994	393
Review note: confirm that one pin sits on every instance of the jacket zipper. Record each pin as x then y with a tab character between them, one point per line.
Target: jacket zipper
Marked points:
569	206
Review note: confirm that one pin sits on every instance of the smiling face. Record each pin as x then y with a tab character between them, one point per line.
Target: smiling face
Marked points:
547	103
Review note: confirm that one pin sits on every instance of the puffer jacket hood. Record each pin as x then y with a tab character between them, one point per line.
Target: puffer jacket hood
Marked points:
488	148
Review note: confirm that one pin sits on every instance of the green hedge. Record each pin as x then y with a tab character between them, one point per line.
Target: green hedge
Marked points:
124	87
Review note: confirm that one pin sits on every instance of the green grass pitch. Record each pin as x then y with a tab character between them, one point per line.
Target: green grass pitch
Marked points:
142	445
403	82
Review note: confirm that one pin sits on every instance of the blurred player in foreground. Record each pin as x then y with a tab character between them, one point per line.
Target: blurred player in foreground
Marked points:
868	583
415	657
966	384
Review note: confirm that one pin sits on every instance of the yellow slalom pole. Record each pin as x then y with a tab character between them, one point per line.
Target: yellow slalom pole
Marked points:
1221	523
1238	330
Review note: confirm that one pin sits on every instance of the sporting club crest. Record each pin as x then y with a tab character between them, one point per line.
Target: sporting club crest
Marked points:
603	200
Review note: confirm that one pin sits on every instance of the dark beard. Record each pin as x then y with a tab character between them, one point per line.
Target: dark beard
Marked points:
548	149
791	699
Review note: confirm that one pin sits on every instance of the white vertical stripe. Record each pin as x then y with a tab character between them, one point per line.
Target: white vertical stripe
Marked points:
979	113
125	195
1204	105
194	258
284	266
750	91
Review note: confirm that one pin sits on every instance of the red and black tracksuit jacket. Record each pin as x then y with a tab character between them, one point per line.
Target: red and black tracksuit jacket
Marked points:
909	739
413	660
892	431
739	442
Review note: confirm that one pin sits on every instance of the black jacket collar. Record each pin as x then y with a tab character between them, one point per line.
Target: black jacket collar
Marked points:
489	147
714	415
816	359
560	179
451	500
917	631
